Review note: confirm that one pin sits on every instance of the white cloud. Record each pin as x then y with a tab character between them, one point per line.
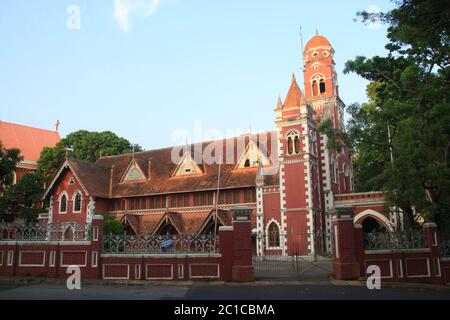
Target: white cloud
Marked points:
126	10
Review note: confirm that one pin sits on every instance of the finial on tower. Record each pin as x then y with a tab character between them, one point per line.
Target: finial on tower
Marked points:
279	102
293	77
317	32
57	125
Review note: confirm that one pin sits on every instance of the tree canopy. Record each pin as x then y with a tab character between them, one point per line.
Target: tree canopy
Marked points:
8	163
401	136
83	145
22	199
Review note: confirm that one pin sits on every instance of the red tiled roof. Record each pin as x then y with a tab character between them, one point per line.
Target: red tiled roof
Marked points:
149	222
93	177
29	140
294	97
162	168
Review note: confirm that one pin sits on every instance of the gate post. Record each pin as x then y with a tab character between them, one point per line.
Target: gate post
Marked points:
242	270
345	252
430	232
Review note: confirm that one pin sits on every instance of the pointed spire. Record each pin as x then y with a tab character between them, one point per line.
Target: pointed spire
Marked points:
295	95
279	102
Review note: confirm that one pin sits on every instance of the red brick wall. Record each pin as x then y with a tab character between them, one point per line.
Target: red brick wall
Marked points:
62	186
406	265
51	259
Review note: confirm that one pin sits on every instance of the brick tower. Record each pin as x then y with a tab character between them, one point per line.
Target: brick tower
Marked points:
299	172
322	94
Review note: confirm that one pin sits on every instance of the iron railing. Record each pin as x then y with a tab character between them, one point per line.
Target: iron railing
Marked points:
164	244
392	241
445	248
65	231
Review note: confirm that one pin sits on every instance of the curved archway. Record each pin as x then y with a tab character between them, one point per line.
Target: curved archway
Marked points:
370	225
380	218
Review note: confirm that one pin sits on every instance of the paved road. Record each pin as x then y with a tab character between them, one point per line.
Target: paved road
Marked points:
14	291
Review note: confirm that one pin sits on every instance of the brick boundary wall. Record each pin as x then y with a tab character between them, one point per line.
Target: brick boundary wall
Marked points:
233	263
400	265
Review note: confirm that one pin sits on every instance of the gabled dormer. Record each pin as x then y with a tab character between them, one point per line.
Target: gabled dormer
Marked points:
252	156
134	173
187	166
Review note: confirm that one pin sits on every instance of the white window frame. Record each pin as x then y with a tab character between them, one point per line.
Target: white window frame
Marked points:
78	192
64	193
267	235
292	134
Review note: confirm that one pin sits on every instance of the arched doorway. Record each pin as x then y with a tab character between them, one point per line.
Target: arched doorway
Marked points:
371	225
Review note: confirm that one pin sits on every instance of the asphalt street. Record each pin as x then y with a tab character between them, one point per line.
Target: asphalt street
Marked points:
44	291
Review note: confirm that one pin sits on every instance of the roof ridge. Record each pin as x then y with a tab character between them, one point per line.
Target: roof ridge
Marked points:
28	126
181	146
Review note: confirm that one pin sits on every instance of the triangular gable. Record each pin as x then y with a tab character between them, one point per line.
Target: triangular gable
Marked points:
128	220
133	173
252	156
221	220
169	218
187	166
65	165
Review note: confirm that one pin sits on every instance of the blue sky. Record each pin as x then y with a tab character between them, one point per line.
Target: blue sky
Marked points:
145	70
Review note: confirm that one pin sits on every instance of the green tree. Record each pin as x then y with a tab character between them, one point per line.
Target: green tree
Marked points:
22	199
401	137
83	145
111	225
8	163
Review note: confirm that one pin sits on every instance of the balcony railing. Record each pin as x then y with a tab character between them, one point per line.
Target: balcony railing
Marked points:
67	231
159	244
393	241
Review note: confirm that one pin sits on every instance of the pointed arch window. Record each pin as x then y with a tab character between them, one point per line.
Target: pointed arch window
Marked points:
63	204
297	144
293	143
322	86
314	88
77	202
68	234
289	143
273	235
318	85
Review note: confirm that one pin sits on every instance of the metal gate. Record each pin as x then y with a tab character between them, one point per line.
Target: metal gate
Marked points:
294	267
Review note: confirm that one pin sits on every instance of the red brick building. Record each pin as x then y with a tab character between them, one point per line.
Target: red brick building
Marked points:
288	177
30	141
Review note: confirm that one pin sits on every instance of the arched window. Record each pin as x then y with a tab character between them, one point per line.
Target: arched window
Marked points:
273	235
318	84
293	142
289	143
63	204
314	88
68	234
297	144
77	202
322	86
